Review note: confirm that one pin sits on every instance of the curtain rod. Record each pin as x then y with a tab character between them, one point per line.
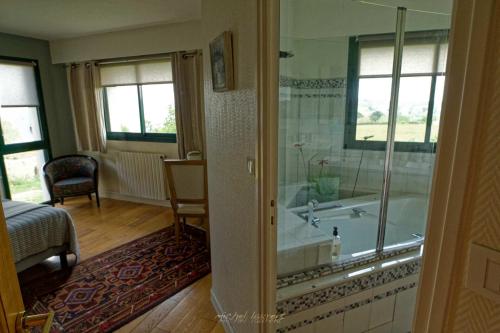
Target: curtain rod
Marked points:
76	64
133	59
184	54
187	54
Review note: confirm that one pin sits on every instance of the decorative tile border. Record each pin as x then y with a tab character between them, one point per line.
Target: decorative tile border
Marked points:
345	308
286	81
350	287
312	95
291	279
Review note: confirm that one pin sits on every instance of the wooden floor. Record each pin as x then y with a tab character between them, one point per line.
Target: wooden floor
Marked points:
119	222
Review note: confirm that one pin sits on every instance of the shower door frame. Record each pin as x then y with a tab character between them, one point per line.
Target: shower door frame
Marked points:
391	126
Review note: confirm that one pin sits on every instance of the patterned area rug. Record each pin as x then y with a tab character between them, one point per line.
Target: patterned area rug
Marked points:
111	289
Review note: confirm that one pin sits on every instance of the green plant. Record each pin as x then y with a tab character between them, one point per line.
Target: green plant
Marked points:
375	116
168	126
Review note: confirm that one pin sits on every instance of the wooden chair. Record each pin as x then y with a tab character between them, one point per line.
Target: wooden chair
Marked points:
187	183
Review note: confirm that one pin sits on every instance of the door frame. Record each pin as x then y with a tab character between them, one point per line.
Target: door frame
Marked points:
267	117
43	144
461	108
11	302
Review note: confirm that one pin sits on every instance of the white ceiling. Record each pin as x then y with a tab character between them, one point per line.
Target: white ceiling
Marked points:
58	19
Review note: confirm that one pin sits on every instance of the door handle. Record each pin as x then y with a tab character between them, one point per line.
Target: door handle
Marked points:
24	323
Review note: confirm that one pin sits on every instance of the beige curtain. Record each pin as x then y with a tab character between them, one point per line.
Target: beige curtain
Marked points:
87	106
188	88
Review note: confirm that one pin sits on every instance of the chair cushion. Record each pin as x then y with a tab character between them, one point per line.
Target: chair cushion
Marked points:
197	209
73	186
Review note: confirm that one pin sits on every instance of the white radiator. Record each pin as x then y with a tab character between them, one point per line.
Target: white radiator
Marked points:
141	175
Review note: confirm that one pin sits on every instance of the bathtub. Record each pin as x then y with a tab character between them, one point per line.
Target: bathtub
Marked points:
302	246
358	232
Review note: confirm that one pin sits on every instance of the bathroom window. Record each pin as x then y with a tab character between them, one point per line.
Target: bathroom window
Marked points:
420	93
139	100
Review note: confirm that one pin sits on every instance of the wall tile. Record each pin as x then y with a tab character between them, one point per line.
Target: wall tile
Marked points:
298	318
333	324
311	256
292	260
404	310
395	284
336	306
382	311
386	328
358	297
304	329
357	320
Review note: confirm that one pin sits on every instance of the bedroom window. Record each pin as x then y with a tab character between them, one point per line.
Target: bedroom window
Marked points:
139	100
421	89
24	143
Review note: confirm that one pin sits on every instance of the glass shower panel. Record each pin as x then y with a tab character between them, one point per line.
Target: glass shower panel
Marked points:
335	86
419	110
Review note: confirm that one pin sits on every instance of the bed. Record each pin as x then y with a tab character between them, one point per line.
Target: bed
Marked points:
38	232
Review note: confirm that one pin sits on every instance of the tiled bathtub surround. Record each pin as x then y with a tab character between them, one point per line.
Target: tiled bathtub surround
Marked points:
325	270
378	301
377	313
348	288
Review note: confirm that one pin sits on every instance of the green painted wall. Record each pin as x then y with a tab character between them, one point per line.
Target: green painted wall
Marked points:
54	86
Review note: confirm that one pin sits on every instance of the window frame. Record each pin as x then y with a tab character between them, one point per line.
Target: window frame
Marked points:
128	136
42	144
352	90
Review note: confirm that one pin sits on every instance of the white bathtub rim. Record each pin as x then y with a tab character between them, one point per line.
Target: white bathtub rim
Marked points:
296	290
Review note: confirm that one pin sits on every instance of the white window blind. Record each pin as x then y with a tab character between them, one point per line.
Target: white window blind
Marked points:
136	72
17	84
418	58
376	60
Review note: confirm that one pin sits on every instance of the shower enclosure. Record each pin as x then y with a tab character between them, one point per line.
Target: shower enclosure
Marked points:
361	88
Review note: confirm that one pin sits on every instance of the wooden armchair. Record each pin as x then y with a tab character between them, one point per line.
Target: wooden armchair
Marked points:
187	182
71	175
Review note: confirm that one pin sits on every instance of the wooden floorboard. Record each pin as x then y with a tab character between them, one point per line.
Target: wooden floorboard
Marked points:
119	222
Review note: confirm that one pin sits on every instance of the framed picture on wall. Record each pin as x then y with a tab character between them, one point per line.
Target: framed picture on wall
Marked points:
221	59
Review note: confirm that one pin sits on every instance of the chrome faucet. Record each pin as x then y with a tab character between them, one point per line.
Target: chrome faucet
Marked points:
311	219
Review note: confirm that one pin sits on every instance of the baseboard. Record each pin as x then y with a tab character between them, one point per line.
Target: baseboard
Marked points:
119	196
228	328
